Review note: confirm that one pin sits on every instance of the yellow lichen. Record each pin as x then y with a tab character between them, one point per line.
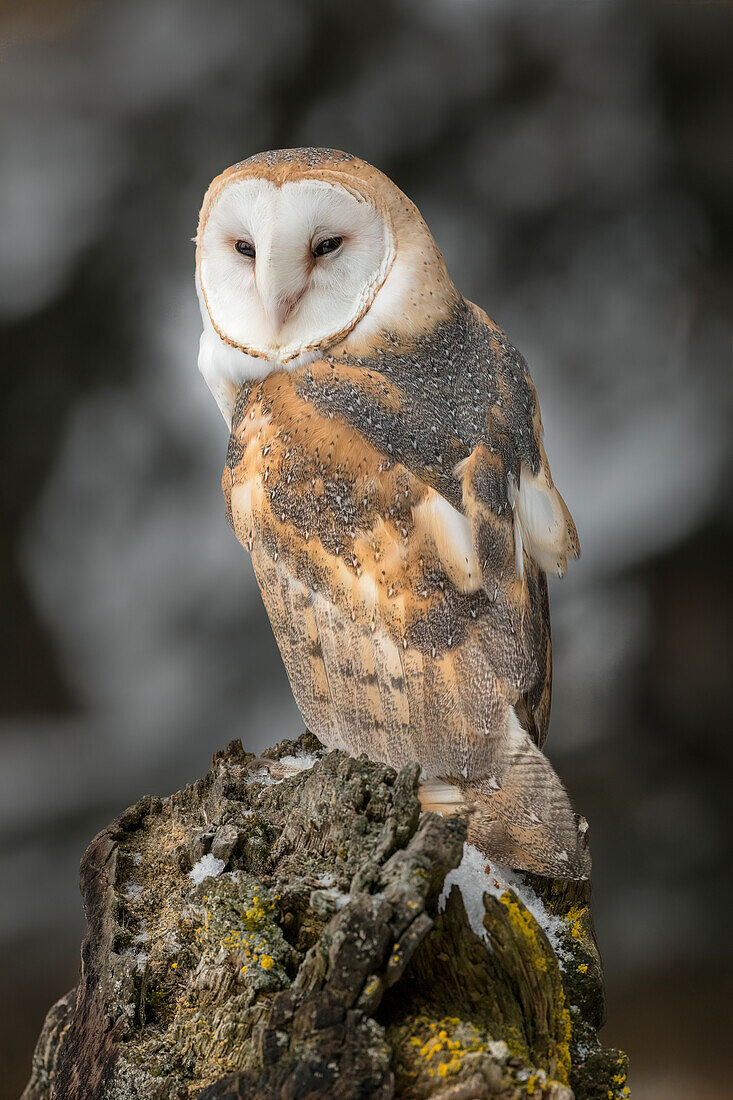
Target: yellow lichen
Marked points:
562	1049
576	918
446	1044
524	922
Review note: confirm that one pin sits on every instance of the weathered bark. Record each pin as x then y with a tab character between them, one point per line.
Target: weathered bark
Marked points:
325	957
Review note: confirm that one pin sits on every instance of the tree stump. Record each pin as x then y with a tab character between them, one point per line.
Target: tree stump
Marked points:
317	936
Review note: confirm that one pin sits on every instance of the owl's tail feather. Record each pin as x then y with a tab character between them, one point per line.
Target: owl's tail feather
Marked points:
525	820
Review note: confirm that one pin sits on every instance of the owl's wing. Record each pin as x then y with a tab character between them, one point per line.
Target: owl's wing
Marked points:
507	489
514	509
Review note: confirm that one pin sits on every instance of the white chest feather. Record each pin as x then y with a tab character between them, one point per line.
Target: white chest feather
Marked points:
540	523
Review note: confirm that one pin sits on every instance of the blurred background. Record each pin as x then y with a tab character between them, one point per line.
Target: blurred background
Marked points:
574	163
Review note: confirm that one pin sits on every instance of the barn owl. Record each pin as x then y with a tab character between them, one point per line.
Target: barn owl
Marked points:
387	474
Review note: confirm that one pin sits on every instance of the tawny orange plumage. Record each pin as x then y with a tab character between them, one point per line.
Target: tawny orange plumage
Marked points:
387	473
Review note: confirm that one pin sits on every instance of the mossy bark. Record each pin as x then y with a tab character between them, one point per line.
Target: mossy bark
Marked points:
315	961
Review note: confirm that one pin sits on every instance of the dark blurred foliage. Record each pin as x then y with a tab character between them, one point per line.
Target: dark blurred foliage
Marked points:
574	163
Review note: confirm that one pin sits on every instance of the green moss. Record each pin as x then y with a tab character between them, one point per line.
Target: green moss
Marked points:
124	937
602	1076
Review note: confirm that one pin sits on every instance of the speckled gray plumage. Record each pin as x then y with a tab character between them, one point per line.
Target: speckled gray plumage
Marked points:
376	489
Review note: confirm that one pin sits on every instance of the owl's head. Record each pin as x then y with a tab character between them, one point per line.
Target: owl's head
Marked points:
295	248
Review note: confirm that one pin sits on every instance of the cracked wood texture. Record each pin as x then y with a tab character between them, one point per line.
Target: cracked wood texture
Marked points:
292	939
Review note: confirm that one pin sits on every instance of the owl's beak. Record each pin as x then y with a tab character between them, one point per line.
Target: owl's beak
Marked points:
280	310
280	287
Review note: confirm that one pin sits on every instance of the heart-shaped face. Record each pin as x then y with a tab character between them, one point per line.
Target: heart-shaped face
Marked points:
287	268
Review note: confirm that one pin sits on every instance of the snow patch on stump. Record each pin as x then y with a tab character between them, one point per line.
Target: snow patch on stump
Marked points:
207	867
475	876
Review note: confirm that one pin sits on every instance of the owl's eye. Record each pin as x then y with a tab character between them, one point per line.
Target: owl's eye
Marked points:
245	249
329	245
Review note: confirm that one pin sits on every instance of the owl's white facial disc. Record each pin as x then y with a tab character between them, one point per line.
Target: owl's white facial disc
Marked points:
286	270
